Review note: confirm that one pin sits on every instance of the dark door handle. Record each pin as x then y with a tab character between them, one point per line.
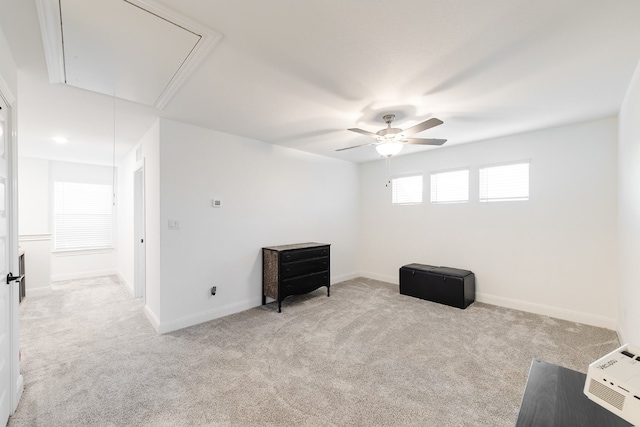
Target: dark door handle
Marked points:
11	278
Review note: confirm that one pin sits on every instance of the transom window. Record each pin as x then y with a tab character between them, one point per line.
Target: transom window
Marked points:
406	190
504	182
450	187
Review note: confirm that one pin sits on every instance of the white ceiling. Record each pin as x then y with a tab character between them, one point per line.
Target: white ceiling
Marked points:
298	74
144	58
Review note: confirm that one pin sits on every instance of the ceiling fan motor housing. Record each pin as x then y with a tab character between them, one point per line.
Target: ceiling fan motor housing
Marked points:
389	131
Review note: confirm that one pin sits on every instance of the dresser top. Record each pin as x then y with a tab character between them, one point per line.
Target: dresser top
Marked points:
295	246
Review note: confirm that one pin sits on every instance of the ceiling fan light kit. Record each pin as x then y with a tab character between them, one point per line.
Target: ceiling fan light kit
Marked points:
389	149
390	140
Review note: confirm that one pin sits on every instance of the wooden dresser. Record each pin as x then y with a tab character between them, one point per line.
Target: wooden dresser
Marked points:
294	269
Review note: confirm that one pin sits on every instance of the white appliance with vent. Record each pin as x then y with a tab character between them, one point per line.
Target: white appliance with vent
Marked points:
613	382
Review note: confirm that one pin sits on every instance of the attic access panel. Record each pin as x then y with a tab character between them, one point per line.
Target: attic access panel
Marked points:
133	49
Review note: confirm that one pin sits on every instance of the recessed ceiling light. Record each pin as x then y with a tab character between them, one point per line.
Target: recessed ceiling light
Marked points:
60	139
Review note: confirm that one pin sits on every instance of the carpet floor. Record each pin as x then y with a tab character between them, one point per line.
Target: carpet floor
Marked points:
366	356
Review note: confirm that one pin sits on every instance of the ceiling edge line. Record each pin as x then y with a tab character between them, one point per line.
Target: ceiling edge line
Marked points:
199	52
161	17
51	31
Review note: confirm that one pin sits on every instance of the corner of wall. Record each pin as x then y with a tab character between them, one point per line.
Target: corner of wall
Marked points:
153	319
628	205
125	282
185	322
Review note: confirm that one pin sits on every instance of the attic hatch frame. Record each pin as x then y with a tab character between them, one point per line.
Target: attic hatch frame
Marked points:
50	19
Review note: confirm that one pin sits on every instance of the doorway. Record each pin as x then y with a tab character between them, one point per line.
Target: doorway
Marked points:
139	286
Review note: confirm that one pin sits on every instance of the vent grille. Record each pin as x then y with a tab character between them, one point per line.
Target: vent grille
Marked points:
603	392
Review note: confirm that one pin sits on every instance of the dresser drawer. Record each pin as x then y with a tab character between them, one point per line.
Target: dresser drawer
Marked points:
302	254
304	284
301	268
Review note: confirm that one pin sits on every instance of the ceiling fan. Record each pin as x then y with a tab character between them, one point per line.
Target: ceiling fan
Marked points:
390	141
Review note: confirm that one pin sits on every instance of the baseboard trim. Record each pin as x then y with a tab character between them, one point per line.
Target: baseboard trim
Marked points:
206	316
18	393
216	313
84	275
153	319
621	335
546	310
126	283
381	277
343	278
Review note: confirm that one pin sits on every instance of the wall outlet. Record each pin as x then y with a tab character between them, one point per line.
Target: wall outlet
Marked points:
213	290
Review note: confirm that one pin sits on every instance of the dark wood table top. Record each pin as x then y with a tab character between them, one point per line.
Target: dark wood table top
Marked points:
553	397
306	245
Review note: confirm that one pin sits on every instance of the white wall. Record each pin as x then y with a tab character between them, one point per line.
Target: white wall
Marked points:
629	213
554	254
82	264
270	195
33	203
33	222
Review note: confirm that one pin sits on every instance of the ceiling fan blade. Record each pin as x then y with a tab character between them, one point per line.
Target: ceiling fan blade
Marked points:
433	122
423	141
355	146
364	132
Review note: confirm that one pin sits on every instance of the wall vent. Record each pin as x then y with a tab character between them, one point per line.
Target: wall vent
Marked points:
606	394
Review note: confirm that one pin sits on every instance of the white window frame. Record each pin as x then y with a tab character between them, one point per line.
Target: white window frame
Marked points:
506	187
434	179
408	196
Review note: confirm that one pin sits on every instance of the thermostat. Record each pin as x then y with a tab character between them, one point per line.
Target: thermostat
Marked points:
216	203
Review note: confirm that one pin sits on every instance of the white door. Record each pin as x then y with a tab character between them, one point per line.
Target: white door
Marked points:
5	266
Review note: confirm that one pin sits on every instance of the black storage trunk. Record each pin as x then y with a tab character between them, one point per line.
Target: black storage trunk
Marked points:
450	286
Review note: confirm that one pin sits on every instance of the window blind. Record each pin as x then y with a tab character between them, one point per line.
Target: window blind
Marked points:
406	190
450	187
82	216
504	183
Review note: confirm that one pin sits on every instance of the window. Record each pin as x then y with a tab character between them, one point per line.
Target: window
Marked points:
450	187
406	190
504	183
82	216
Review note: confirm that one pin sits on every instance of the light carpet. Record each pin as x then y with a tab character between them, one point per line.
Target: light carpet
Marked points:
366	356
